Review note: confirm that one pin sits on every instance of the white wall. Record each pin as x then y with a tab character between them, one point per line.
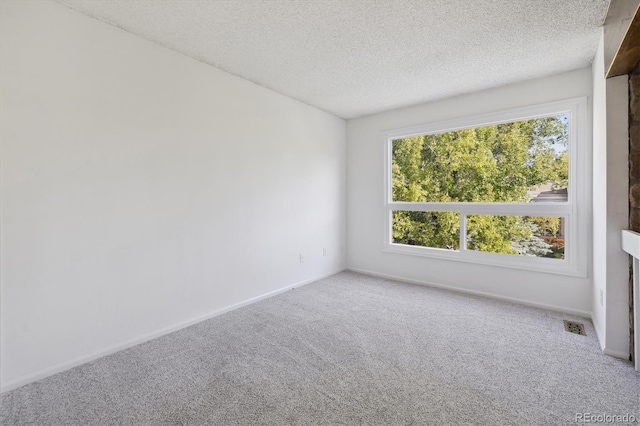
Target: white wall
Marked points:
598	314
365	199
610	208
142	190
617	202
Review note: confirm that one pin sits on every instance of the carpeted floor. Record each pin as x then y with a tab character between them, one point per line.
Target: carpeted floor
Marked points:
349	349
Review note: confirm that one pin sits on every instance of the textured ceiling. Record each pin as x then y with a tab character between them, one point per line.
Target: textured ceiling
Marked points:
353	58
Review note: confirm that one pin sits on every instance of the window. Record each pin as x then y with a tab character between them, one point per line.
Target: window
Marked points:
503	189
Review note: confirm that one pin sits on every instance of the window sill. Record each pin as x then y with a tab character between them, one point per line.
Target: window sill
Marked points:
534	264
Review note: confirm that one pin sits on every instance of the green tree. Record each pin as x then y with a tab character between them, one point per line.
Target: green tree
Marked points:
497	163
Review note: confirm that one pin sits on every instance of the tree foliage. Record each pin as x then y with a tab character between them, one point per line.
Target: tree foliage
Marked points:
496	163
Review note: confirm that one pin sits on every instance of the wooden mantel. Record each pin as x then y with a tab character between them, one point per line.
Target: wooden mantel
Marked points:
622	35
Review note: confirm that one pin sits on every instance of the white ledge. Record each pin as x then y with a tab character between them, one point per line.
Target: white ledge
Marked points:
631	243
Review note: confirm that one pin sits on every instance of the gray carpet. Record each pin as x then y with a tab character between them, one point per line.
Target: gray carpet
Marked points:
349	349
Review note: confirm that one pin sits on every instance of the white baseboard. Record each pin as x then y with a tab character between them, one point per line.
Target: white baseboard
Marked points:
476	293
616	354
605	350
599	334
46	372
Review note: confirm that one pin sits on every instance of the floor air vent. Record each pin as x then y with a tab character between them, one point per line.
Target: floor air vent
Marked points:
574	327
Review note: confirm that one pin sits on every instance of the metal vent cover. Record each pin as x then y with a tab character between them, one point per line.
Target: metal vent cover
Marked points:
574	327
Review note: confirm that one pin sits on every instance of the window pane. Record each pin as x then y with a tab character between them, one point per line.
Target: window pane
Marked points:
427	229
524	161
517	235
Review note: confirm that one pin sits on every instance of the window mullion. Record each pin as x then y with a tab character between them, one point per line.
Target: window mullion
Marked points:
463	232
526	209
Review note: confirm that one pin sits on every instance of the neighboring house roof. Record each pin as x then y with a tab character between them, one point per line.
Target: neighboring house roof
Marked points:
551	196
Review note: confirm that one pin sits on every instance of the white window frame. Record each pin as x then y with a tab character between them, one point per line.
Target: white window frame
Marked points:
573	211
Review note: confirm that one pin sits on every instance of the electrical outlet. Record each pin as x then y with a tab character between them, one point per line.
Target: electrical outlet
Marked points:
301	258
324	251
601	297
